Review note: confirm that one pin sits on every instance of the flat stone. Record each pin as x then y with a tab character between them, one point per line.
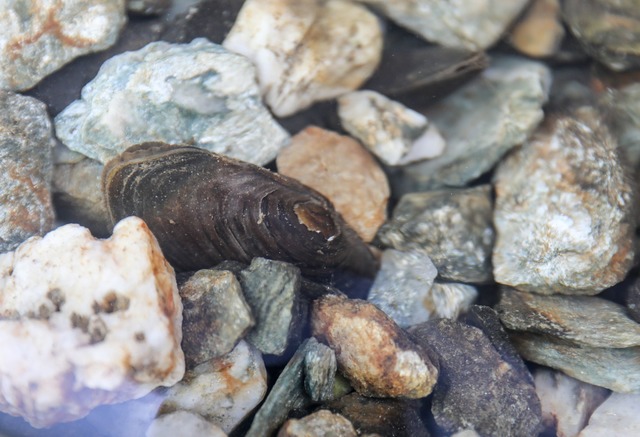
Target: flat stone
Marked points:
183	423
320	368
373	353
511	93
322	423
290	42
622	111
539	32
271	288
223	390
41	36
402	286
215	315
104	314
197	93
396	134
564	317
477	389
26	169
618	416
344	172
566	402
211	19
453	226
571	231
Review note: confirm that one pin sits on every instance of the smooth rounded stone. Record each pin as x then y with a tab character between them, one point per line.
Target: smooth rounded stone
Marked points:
511	93
396	134
477	389
449	299
375	354
403	285
40	36
564	317
342	170
615	369
563	213
453	226
223	390
211	19
306	50
466	433
322	423
608	30
272	291
566	402
148	7
26	169
197	93
539	32
622	110
104	314
183	423
320	368
215	315
618	416
457	24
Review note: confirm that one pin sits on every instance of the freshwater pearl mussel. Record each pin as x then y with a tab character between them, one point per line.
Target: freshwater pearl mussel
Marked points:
205	208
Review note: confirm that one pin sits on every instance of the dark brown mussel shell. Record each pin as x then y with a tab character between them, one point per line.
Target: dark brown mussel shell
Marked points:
205	208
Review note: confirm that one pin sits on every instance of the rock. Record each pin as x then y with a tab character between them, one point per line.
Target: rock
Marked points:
453	226
473	27
215	314
396	134
183	423
223	390
211	19
466	433
271	289
633	300
511	93
566	403
148	7
104	314
173	93
402	286
320	368
477	389
615	369
539	32
322	423
375	355
449	299
616	417
571	231
39	37
622	110
306	51
26	169
563	317
344	172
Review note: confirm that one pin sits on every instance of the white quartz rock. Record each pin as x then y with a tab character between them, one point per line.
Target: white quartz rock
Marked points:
85	322
306	50
394	133
183	423
618	416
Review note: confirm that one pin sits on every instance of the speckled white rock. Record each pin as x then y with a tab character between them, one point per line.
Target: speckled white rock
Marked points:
394	133
197	93
183	423
618	416
449	299
306	50
104	314
40	36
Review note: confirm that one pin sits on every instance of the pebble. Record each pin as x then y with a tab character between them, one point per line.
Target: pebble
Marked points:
539	32
320	368
196	93
453	226
322	423
449	299
477	389
566	402
215	315
223	390
104	314
572	230
618	416
343	171
306	50
373	353
26	169
622	110
183	423
39	37
396	134
511	93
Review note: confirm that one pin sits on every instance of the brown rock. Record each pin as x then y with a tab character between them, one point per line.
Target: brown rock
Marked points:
322	423
539	32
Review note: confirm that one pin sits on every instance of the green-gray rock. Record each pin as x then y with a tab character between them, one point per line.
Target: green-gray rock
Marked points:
622	110
320	368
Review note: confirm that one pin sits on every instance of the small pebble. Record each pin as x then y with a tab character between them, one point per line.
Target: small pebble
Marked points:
183	423
322	423
449	299
539	32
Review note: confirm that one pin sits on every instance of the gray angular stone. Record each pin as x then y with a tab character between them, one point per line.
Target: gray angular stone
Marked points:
271	289
26	169
618	416
320	368
622	110
453	226
40	36
197	93
563	317
477	389
215	315
563	213
481	122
